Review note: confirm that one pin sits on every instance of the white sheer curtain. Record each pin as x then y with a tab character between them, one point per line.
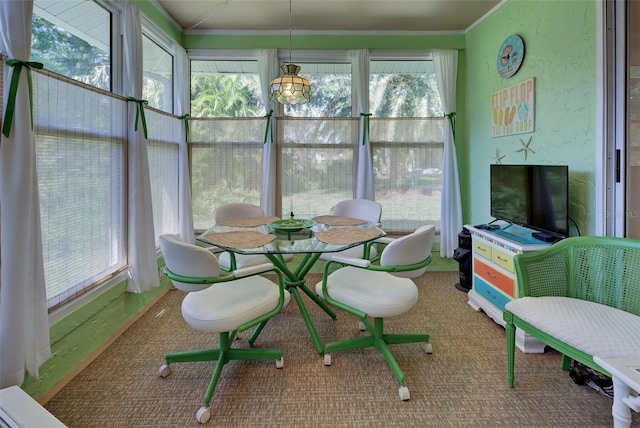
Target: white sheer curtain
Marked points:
24	323
360	96
185	210
446	66
143	268
268	69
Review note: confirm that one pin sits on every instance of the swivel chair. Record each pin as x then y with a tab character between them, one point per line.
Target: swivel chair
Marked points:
385	290
363	209
235	302
234	211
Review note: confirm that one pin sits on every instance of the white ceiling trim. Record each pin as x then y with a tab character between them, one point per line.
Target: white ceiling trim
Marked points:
320	32
485	16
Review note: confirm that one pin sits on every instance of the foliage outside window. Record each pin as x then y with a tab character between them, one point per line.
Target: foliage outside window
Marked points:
316	143
227	132
407	142
79	46
225	89
157	77
330	91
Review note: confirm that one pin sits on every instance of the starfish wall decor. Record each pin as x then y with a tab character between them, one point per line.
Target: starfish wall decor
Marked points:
498	158
525	147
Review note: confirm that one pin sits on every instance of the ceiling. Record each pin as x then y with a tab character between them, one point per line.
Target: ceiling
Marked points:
327	15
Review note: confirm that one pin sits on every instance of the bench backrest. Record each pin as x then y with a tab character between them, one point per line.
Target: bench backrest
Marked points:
604	270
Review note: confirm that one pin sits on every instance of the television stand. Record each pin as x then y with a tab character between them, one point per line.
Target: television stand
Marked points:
493	278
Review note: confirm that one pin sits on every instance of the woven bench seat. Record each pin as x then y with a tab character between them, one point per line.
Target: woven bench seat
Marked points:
592	328
581	297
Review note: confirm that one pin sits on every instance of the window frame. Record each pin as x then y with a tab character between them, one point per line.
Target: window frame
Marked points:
300	57
153	33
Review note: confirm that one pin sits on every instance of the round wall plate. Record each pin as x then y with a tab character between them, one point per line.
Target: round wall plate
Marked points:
510	56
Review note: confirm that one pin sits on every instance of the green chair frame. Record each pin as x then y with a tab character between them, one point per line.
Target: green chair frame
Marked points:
377	338
225	353
600	269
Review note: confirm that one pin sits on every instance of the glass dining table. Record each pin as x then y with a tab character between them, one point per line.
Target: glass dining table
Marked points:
306	238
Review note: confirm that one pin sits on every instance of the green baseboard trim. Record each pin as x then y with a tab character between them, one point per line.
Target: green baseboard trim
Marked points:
80	337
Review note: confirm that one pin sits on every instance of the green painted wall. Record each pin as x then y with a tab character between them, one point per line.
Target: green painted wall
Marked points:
160	19
560	53
325	41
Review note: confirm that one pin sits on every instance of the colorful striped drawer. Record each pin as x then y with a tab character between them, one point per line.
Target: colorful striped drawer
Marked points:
495	297
497	279
503	259
482	249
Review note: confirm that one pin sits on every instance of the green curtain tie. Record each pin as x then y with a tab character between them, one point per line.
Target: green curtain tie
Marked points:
452	118
266	130
365	128
140	114
185	118
18	65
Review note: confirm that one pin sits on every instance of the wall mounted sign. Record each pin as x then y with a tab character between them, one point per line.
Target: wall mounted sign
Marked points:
512	109
510	56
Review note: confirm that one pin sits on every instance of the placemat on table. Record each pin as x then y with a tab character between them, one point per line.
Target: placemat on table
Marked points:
239	239
347	235
249	222
336	220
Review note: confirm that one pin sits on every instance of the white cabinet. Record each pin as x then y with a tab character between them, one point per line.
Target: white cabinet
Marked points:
17	409
494	281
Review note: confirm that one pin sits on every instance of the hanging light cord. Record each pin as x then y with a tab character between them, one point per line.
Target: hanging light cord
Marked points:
290	31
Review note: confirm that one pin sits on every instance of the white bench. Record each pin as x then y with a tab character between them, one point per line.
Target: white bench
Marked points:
581	296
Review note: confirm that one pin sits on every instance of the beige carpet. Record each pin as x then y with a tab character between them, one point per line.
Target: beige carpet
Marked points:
462	384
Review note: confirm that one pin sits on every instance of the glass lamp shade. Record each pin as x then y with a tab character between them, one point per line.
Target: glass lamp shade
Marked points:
290	88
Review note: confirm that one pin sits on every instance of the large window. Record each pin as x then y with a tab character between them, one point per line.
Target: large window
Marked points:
81	138
225	89
80	141
226	136
317	143
73	38
315	165
157	77
407	143
226	164
330	91
81	135
164	171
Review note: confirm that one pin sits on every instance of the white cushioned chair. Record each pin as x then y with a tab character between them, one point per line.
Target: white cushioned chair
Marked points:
380	291
363	209
238	210
235	302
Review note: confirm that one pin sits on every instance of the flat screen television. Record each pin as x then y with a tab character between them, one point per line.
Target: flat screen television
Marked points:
532	196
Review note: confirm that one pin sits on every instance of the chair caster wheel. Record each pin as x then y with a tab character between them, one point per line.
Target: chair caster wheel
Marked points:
361	326
280	363
427	348
164	370
327	359
203	415
404	393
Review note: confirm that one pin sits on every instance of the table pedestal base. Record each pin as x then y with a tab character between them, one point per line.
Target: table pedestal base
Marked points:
294	281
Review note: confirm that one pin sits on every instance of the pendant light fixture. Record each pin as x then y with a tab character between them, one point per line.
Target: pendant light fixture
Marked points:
289	88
